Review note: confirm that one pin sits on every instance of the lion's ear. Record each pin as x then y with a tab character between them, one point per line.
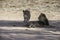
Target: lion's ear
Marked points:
23	10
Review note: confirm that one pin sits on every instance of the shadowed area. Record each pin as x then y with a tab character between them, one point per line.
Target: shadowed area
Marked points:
14	23
22	24
16	30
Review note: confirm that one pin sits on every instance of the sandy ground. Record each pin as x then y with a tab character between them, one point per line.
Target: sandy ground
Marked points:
13	10
24	33
11	14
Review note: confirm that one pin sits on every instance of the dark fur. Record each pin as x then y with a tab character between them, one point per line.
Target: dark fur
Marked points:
43	19
26	14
